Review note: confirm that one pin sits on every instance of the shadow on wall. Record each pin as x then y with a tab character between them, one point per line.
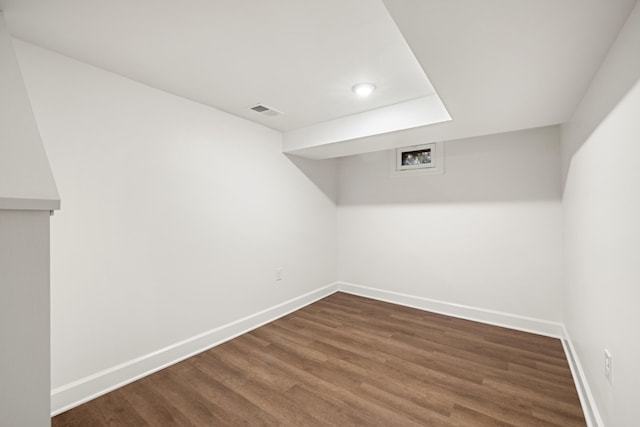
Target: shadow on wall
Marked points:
323	174
618	74
509	167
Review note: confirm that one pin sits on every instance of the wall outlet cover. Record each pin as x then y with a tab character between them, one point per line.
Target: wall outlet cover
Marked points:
607	365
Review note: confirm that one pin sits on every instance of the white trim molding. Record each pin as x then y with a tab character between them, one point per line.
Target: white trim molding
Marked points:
589	407
507	320
78	392
15	203
492	317
73	394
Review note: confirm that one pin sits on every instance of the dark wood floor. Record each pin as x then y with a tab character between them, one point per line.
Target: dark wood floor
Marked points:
347	360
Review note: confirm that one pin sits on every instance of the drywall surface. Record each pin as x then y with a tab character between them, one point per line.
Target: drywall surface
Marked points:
602	249
26	181
602	238
486	234
405	115
176	216
24	318
616	75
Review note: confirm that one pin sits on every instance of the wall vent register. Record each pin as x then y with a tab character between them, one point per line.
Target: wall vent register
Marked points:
263	109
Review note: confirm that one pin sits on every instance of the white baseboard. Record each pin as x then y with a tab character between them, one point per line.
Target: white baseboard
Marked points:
589	407
73	394
507	320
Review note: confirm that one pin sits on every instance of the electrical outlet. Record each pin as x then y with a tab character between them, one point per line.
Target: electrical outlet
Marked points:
278	274
607	365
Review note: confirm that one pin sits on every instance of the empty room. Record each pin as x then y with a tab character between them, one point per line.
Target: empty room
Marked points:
319	212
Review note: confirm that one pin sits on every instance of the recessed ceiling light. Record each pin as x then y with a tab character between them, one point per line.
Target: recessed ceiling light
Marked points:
363	89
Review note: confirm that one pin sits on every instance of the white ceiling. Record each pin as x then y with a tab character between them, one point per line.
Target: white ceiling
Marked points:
510	58
497	65
298	57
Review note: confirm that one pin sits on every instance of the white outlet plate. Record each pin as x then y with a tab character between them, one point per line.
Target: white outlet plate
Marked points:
278	274
607	366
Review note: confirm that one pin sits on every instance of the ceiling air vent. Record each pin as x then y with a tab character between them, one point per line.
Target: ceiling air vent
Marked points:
263	109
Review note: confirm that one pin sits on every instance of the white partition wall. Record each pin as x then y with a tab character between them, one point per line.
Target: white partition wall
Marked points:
27	194
24	318
601	206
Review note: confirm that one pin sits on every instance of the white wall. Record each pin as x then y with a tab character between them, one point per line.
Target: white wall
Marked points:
27	193
602	229
175	216
618	72
24	318
486	234
26	181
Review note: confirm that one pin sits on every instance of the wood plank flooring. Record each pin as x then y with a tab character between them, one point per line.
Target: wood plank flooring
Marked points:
347	360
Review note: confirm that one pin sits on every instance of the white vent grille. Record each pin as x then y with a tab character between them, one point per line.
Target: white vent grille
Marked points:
263	109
